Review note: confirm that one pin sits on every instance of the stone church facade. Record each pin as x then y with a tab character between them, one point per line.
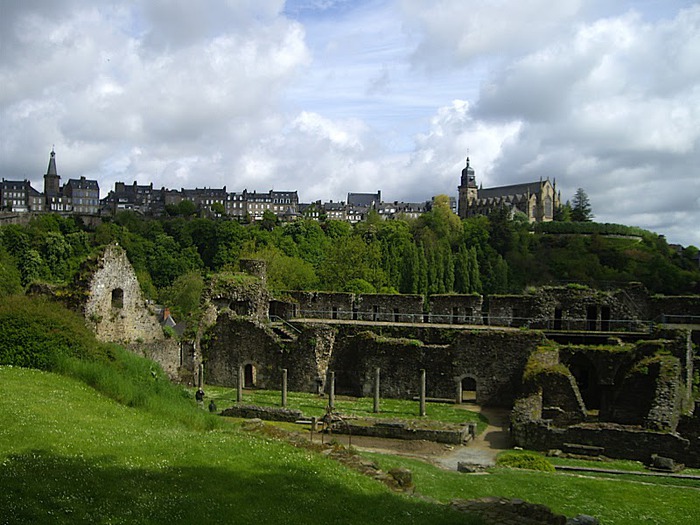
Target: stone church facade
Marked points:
537	200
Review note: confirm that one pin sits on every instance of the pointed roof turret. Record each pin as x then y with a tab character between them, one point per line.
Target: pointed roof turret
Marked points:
51	170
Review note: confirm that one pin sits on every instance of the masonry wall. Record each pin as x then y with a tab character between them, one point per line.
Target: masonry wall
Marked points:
456	309
115	307
390	308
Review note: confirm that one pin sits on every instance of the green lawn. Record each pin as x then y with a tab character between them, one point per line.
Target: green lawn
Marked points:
314	405
614	500
71	455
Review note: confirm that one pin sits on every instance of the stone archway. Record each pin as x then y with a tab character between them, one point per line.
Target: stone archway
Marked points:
467	389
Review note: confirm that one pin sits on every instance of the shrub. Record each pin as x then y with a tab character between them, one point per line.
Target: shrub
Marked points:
524	460
35	332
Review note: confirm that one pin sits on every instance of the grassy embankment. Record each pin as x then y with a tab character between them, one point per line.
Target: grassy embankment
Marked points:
136	449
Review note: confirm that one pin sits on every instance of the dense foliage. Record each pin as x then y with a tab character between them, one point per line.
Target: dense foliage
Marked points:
436	253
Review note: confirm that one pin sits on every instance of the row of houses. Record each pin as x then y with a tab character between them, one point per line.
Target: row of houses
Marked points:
537	200
82	196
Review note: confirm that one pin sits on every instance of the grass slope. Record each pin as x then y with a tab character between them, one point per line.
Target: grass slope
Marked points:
618	501
71	455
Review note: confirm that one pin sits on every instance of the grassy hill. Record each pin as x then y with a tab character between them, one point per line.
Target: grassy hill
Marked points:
72	455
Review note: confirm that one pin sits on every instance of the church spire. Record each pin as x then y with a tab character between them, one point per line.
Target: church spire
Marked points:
51	170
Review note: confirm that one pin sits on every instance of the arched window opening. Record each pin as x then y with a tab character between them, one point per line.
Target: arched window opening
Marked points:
117	298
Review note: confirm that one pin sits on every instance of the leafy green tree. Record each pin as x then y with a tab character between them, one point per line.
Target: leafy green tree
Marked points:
184	295
581	207
10	278
563	213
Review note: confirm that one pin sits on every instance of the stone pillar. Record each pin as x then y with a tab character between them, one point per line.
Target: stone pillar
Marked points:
458	397
422	392
239	392
376	390
284	388
331	391
200	375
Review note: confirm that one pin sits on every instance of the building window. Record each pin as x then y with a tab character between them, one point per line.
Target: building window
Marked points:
117	298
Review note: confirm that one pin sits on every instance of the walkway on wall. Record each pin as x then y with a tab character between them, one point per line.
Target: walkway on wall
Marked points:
311	320
484	449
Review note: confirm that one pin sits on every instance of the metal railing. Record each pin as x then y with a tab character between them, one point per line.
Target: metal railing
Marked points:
549	324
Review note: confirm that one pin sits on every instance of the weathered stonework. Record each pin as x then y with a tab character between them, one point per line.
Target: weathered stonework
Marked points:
641	400
107	292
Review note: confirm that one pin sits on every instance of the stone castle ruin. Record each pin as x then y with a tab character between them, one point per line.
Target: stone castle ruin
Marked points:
593	370
108	294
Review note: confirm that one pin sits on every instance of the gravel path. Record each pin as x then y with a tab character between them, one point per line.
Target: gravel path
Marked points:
484	449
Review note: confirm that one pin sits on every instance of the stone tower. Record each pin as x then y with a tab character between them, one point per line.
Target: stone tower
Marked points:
468	192
52	180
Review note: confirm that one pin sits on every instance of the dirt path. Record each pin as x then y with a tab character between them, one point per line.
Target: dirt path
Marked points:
484	449
480	451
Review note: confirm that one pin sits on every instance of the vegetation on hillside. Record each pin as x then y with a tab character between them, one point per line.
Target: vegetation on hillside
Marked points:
434	254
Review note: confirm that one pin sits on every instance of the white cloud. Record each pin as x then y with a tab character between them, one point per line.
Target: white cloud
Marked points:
327	97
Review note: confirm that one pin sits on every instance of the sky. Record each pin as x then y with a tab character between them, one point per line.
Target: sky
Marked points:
327	97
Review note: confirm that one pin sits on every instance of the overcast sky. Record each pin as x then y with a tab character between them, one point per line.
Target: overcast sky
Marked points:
328	97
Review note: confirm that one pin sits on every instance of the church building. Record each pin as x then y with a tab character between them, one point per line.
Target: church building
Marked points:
537	200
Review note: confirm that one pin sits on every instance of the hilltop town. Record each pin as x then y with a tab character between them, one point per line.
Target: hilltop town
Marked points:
81	196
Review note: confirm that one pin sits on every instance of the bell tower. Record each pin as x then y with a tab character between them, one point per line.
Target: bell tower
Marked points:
468	192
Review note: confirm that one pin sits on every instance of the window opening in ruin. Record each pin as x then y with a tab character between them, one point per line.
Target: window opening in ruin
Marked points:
249	376
426	317
558	312
375	313
396	315
469	390
605	318
354	313
586	377
591	317
117	298
239	307
455	315
334	314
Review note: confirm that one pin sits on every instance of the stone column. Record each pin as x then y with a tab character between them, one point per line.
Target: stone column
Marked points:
200	375
239	392
458	397
422	392
284	388
376	390
331	391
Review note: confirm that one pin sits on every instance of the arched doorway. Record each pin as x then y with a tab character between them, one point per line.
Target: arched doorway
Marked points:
249	376
467	389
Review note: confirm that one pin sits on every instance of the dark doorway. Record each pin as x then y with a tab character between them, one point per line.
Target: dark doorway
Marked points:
455	315
587	380
396	315
334	314
557	318
117	298
249	376
605	318
469	390
375	313
591	318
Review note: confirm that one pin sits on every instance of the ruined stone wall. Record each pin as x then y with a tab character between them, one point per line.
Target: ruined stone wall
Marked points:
494	359
456	309
235	341
390	308
617	441
511	310
115	307
323	305
680	309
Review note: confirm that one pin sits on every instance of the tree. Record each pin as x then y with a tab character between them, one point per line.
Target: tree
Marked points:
581	207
